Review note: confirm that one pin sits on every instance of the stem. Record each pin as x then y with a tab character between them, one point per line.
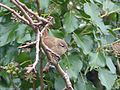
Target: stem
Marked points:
118	65
22	9
116	29
37	48
38	7
41	68
65	77
34	87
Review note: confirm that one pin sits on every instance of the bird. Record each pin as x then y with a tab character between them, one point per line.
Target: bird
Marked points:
54	44
57	45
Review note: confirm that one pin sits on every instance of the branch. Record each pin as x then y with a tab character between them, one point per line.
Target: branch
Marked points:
31	68
64	76
41	70
38	7
31	12
22	10
15	13
27	44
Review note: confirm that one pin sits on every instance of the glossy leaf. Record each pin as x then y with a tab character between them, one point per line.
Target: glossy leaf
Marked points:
73	65
93	11
107	78
59	83
70	22
82	84
97	60
82	42
44	4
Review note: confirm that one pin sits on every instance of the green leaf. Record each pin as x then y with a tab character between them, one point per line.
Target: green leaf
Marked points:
4	82
22	34
59	83
10	54
74	65
44	4
6	2
70	22
107	78
83	84
97	60
57	33
110	65
23	56
7	33
110	7
93	11
82	42
3	39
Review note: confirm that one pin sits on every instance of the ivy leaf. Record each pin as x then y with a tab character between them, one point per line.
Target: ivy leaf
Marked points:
44	4
83	84
82	42
97	60
93	11
107	78
110	6
3	39
56	33
70	22
74	65
59	83
22	33
7	33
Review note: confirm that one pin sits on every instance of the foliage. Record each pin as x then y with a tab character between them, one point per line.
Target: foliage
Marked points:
90	27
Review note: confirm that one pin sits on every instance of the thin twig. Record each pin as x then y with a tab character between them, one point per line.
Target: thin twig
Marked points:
27	44
15	13
37	48
31	12
38	7
118	65
41	70
30	68
64	76
22	10
34	87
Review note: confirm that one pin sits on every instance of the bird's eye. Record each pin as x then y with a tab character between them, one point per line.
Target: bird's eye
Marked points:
62	45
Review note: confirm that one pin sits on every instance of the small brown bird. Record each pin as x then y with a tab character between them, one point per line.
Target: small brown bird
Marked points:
57	45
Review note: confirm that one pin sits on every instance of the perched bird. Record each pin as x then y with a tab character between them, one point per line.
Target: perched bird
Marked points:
57	45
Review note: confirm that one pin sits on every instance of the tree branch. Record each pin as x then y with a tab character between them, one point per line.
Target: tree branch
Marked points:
15	2
31	12
15	13
64	76
27	45
41	71
29	69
